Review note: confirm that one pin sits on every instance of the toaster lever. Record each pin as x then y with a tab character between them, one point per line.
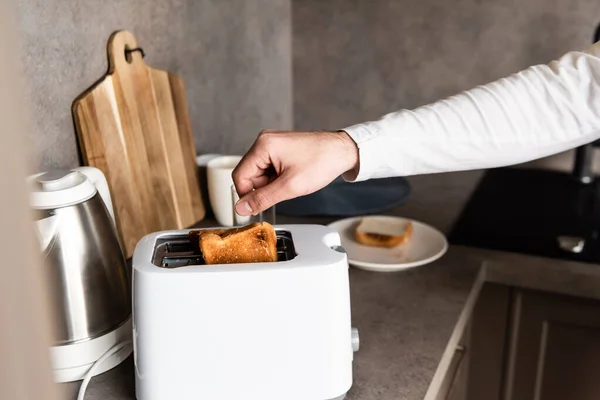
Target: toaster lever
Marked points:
355	339
339	249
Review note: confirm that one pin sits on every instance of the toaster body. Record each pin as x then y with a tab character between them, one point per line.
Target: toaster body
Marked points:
265	331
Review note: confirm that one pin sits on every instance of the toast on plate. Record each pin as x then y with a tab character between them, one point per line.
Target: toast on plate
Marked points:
380	233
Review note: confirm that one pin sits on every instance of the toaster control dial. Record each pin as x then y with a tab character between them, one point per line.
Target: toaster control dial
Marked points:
355	339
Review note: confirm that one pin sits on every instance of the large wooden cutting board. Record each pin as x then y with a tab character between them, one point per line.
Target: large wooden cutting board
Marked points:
134	126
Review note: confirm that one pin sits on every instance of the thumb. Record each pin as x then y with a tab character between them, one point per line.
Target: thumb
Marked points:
261	199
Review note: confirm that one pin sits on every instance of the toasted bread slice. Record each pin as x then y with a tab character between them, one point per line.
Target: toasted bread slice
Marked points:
374	232
195	237
254	243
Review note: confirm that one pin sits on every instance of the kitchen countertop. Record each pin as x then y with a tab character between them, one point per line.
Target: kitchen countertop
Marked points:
406	319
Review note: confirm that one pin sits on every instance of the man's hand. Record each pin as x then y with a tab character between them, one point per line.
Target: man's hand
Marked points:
283	165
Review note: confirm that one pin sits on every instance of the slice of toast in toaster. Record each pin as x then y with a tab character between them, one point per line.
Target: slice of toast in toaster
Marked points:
194	237
253	243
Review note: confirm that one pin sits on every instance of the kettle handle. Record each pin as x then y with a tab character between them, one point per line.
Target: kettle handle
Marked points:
99	180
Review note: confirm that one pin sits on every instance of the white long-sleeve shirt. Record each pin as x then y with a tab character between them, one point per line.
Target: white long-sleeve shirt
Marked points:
540	111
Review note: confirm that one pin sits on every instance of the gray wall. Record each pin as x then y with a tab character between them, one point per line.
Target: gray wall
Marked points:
353	60
358	59
234	55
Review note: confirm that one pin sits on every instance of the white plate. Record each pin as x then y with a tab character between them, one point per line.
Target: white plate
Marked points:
426	245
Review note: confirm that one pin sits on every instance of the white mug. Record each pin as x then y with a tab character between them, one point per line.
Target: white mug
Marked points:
218	176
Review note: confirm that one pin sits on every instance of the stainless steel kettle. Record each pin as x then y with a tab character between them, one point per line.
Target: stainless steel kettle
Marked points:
88	274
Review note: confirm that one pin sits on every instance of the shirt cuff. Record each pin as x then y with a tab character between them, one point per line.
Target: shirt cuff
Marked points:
364	137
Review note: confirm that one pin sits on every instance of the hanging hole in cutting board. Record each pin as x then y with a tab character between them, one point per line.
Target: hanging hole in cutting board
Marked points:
128	52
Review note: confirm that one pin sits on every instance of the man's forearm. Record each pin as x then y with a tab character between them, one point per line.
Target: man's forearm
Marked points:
543	110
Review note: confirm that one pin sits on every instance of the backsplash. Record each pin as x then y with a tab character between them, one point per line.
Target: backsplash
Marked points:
234	57
356	59
353	60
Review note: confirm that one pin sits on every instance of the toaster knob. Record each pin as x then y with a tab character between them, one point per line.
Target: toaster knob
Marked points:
355	339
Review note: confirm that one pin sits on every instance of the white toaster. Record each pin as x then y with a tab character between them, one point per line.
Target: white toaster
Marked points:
264	331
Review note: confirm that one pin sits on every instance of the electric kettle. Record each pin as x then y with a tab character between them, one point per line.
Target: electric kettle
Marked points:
88	275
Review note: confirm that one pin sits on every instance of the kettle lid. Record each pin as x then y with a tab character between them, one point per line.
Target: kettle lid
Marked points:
60	188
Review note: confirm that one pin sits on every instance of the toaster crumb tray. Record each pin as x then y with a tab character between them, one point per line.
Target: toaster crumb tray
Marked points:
177	251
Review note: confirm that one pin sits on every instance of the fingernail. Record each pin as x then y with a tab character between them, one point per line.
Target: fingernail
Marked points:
244	207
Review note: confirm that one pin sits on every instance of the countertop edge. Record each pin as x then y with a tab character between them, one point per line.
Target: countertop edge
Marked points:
438	378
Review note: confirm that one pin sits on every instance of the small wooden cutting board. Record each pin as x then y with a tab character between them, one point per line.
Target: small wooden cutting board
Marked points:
134	126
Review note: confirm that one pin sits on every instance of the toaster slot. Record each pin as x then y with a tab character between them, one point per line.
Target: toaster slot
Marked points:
177	251
285	246
176	262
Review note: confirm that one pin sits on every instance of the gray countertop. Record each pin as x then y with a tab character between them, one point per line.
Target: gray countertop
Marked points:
405	319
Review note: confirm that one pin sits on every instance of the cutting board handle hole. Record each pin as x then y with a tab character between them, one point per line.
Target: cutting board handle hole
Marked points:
128	51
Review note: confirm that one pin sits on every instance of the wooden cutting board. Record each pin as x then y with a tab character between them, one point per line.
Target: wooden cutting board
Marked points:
134	126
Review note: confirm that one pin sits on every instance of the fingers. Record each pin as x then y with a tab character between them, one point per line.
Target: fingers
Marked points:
267	196
260	181
252	170
245	172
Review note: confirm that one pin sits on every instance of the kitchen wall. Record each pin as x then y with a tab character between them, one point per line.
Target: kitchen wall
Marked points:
352	60
358	59
234	55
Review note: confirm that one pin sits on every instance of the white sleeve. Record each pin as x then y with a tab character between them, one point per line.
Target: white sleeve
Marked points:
543	110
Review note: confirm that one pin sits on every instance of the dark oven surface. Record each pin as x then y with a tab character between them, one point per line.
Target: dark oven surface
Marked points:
177	251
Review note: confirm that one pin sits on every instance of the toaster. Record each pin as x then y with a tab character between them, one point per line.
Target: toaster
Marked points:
261	331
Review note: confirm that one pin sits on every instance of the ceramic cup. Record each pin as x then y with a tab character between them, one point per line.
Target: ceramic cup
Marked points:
218	176
202	163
